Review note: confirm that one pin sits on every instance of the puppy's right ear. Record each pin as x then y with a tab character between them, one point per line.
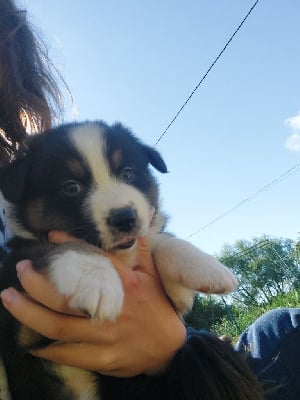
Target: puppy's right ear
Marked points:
12	179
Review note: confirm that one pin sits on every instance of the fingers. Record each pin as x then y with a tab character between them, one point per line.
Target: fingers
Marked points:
41	289
47	312
144	256
53	325
31	314
93	357
144	262
60	237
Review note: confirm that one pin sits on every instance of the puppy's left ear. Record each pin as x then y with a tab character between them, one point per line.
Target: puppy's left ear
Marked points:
156	160
12	179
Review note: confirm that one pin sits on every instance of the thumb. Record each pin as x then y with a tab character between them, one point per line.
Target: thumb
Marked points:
144	258
60	237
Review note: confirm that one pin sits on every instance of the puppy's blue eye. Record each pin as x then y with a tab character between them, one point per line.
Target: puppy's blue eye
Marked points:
127	175
71	188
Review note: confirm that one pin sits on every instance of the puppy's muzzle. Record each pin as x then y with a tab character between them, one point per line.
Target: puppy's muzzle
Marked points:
123	220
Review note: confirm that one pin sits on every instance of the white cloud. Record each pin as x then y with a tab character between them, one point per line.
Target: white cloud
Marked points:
293	141
293	122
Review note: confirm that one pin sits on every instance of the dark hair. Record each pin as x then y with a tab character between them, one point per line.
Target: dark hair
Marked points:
29	95
205	368
210	369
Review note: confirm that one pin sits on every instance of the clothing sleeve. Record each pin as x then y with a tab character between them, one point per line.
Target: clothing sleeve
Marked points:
273	344
4	234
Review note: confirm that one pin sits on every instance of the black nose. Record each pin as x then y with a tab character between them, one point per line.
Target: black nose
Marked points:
123	219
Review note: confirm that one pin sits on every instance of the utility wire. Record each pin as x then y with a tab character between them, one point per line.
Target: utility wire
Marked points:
207	72
245	252
265	188
250	250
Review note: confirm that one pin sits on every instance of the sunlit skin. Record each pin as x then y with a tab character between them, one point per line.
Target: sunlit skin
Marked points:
144	338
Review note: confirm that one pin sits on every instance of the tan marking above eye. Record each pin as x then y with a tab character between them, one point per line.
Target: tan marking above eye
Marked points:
117	157
76	168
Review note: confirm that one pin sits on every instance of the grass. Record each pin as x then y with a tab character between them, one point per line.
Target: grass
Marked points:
243	316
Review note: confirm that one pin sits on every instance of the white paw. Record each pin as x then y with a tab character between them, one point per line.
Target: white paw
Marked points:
181	262
90	282
206	274
181	297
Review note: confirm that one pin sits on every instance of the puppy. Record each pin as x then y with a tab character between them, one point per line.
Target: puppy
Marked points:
93	181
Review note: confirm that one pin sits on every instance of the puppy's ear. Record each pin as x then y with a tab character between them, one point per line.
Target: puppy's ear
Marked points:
155	159
12	179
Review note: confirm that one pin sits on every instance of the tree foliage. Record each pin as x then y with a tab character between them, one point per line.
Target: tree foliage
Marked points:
206	311
265	267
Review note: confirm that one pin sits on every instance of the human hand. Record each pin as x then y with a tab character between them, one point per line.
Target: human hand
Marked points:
144	338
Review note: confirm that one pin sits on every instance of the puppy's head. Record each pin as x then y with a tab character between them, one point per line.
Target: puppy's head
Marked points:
89	179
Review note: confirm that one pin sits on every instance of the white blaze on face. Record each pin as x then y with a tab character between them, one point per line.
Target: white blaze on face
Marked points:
90	142
108	192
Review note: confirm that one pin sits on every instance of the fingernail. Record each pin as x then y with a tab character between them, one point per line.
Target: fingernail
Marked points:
7	296
21	266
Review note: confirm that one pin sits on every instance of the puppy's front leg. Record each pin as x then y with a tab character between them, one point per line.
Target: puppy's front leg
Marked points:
185	269
86	277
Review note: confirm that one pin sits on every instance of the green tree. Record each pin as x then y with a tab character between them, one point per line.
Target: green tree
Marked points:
206	311
265	267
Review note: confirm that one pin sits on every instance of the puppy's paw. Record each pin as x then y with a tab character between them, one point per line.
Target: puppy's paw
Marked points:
207	275
215	278
181	297
90	282
181	262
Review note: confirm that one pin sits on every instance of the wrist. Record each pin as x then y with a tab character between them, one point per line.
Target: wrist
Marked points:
165	354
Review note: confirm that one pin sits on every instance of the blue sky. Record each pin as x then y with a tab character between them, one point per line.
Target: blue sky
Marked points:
137	61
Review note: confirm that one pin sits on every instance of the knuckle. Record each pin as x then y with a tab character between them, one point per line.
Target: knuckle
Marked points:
57	330
109	363
131	280
112	338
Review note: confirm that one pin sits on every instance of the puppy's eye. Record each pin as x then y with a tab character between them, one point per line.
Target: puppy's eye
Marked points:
127	175
71	188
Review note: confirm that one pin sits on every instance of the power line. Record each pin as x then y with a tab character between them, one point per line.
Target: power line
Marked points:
207	72
265	188
249	250
245	252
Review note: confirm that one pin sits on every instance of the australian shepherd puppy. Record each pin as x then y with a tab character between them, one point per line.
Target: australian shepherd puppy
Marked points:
93	181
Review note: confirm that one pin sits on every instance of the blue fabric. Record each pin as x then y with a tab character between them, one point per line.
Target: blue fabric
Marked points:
4	235
273	343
